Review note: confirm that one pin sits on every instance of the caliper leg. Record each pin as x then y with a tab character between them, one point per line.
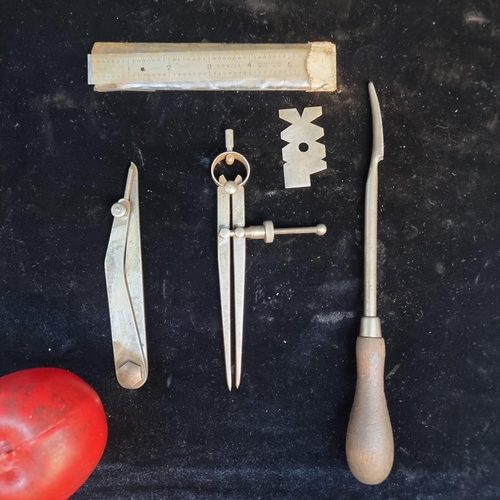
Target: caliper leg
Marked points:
224	258
239	256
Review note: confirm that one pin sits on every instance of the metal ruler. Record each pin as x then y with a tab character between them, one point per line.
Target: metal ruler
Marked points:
120	66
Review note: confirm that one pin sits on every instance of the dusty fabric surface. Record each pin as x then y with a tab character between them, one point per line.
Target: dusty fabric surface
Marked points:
64	156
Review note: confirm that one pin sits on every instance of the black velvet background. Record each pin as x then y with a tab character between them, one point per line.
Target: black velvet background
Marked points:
64	154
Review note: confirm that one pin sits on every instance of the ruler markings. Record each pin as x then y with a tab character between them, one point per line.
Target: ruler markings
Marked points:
219	66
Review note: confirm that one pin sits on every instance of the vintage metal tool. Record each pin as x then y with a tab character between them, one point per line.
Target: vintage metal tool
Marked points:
370	443
303	155
231	232
310	67
123	268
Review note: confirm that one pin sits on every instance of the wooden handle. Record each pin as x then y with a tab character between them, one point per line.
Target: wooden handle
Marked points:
370	444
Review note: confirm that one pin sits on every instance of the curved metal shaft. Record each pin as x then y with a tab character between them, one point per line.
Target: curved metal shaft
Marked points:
371	209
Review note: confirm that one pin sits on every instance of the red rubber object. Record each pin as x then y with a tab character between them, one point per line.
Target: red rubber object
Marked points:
53	432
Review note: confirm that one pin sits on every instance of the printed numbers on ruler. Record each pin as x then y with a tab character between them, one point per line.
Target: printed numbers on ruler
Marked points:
182	67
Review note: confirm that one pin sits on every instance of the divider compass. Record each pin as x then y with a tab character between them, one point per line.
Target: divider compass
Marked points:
231	246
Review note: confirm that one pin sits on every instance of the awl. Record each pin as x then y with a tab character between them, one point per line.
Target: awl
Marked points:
370	443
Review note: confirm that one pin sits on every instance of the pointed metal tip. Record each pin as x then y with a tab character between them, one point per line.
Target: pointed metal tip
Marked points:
132	180
373	94
378	134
